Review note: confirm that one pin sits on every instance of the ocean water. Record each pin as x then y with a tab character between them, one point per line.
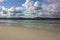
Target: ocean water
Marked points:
40	21
32	23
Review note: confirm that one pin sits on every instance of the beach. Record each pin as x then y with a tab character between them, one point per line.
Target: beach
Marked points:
14	32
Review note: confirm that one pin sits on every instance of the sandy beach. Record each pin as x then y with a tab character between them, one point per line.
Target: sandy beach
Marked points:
8	32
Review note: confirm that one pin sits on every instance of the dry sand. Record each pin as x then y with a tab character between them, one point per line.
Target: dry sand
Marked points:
19	33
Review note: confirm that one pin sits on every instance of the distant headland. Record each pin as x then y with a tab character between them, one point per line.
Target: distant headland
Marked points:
36	18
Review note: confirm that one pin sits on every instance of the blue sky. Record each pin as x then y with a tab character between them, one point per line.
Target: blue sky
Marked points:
10	3
15	3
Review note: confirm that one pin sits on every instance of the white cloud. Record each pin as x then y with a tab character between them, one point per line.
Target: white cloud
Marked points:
3	11
53	1
54	8
32	9
2	0
13	11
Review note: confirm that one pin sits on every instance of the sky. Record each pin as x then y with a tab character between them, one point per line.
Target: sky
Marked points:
30	8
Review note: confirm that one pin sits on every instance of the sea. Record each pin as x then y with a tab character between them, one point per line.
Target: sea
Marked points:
32	23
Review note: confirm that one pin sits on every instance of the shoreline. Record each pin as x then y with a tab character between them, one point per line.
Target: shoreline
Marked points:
32	25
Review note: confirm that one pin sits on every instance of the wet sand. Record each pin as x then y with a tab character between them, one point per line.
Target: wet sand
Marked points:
13	32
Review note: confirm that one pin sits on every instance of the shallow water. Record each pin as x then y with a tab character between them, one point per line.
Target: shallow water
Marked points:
54	24
31	21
